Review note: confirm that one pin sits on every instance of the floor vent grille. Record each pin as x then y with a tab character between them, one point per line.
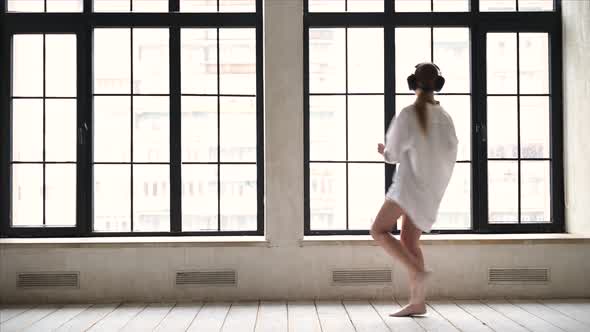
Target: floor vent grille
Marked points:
48	280
206	278
526	275
361	276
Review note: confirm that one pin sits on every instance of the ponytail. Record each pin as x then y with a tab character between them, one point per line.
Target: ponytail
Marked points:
422	99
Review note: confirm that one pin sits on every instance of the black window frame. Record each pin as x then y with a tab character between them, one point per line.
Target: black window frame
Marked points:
82	24
479	23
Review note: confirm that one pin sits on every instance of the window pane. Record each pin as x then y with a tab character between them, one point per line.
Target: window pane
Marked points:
238	129
237	57
366	192
534	63
126	5
451	5
112	129
497	5
150	61
112	198
237	5
502	127
535	192
327	196
238	197
112	61
151	129
534	127
27	130
327	72
112	5
198	6
412	46
535	5
327	128
27	64
60	66
199	61
326	5
365	5
150	5
452	55
60	130
503	191
501	62
60	188
365	60
365	127
25	6
27	195
459	108
151	198
412	5
199	198
63	6
199	129
455	208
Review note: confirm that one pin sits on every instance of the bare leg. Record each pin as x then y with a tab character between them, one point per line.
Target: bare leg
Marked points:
410	236
381	232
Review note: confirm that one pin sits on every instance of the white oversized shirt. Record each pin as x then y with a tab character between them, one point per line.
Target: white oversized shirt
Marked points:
426	162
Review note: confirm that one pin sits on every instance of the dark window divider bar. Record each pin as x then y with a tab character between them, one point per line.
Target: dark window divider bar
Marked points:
44	124
306	130
390	87
346	118
175	128
260	117
503	20
48	97
556	123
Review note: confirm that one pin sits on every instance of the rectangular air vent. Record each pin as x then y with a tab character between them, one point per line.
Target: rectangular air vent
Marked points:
515	275
48	280
361	276
206	278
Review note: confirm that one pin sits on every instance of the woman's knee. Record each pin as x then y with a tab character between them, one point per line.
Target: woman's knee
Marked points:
376	231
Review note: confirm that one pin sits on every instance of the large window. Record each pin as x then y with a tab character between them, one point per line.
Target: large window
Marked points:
506	109
131	124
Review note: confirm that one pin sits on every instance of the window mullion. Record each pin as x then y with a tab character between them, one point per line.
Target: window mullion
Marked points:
5	129
389	90
479	183
175	132
85	129
556	124
173	6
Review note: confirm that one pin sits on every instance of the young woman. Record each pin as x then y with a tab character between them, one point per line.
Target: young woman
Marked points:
422	140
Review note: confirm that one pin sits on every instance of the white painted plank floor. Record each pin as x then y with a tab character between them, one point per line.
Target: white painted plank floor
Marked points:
562	315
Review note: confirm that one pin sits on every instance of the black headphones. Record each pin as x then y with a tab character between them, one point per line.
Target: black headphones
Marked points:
439	81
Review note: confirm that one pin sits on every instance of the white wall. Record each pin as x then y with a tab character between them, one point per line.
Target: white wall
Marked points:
139	273
283	268
576	61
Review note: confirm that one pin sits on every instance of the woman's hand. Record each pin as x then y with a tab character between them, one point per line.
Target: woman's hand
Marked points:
380	148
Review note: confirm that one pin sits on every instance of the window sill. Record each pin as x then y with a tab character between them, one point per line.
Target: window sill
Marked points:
260	241
536	238
153	241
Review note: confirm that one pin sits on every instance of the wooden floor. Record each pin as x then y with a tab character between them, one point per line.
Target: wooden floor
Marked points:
326	316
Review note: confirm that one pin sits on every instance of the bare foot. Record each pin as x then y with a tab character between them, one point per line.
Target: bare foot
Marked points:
410	309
